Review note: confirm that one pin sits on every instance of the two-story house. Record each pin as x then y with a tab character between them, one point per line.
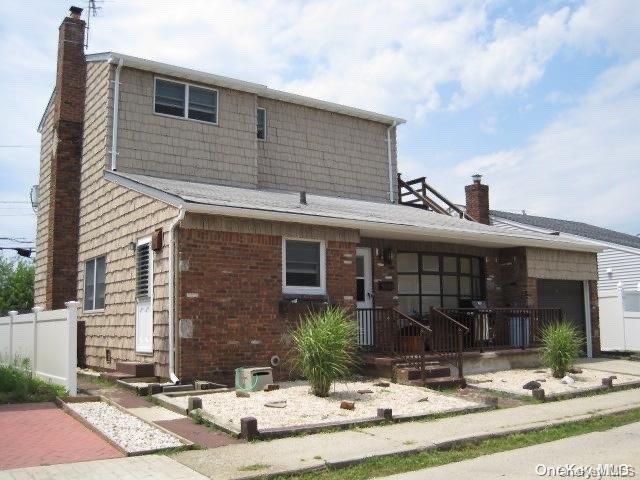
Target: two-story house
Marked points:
195	217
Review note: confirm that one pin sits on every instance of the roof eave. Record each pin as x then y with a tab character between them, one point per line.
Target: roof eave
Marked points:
366	228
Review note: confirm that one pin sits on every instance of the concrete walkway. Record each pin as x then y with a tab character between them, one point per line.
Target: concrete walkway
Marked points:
625	367
150	467
313	451
616	446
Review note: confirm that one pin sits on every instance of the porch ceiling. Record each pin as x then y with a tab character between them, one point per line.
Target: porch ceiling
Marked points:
371	219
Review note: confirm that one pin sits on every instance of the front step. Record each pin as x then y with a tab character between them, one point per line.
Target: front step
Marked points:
439	383
406	374
136	369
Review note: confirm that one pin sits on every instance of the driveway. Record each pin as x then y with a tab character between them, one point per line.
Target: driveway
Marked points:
42	434
617	446
612	365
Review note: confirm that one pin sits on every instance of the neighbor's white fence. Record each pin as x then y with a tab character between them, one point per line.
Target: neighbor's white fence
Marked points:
48	338
619	320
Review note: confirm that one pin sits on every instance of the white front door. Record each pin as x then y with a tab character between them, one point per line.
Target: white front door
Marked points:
364	296
144	297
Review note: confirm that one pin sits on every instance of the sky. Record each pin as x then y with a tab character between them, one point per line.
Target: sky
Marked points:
541	98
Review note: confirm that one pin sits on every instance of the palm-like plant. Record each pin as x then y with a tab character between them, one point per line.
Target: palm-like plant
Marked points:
324	348
561	346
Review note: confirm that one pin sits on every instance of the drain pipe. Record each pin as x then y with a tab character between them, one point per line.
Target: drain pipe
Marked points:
390	160
116	104
172	294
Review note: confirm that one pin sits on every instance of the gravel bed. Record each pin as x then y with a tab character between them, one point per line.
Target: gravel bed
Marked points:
512	381
129	432
302	408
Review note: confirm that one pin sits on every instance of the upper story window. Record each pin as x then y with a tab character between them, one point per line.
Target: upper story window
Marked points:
186	101
94	283
303	266
261	120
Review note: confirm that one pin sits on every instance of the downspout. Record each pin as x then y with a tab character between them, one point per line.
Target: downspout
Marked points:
116	104
172	294
390	161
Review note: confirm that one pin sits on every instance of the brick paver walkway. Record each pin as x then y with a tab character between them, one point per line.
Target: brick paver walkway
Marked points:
41	434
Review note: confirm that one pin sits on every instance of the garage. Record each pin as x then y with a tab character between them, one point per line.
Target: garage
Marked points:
565	294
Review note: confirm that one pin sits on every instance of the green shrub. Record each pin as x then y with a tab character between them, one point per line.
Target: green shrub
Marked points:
18	386
561	346
324	348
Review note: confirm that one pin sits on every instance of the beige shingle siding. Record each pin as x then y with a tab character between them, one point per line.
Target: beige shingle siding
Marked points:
323	152
561	264
110	218
184	149
46	152
306	148
263	227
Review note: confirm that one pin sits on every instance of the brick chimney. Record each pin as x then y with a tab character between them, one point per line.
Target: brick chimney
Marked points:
68	119
477	196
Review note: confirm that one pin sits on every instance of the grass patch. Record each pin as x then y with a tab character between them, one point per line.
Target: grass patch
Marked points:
254	467
18	386
389	465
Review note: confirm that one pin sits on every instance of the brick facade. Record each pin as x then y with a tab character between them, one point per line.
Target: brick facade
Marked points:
64	187
231	307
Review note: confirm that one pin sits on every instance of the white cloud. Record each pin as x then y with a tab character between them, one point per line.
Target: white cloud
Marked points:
583	165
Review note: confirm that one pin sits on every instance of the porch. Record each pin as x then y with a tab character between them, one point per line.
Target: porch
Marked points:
432	349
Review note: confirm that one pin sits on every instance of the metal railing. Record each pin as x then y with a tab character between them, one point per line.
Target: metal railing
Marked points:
496	328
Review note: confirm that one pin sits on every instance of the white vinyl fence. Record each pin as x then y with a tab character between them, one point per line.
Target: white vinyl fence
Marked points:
48	339
620	320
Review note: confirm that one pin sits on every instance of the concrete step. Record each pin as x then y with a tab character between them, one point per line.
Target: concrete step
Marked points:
413	373
442	382
136	369
114	375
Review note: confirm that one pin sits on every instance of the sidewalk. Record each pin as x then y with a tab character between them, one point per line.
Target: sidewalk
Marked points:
294	454
587	450
314	451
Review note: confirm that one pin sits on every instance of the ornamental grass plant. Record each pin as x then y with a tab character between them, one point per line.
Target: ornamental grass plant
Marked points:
324	348
561	345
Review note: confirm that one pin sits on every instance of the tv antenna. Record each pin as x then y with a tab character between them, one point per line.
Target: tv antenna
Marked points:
93	7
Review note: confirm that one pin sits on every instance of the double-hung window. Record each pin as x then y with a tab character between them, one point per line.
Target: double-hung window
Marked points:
94	283
261	123
183	100
303	267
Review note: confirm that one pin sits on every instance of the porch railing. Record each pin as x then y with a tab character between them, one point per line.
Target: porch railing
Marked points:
447	333
495	328
394	333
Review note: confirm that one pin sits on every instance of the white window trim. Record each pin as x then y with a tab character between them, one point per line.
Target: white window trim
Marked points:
186	101
95	270
265	124
142	241
293	289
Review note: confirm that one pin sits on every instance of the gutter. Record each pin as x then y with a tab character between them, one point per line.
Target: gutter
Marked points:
390	160
116	104
172	294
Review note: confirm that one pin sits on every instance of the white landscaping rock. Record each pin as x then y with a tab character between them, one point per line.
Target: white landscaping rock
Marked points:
129	432
303	409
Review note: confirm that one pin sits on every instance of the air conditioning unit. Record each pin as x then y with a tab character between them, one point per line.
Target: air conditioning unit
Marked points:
252	379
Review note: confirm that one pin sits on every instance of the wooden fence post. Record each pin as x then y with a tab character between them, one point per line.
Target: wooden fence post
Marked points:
34	354
72	347
12	315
